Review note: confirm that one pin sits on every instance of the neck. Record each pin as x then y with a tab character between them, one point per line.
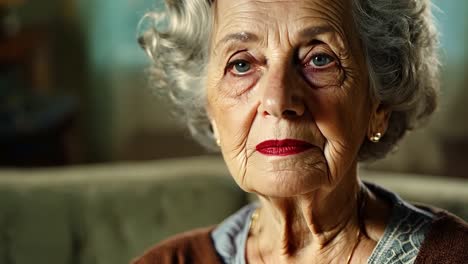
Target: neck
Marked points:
321	224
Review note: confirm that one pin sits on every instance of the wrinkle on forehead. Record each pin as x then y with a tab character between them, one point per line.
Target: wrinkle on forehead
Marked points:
281	18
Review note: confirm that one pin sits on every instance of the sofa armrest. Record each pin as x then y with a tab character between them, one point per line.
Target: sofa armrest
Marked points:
444	192
108	213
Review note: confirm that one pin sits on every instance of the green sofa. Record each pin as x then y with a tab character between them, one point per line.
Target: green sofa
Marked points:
108	214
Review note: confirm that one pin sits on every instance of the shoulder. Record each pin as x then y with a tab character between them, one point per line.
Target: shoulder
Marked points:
194	246
211	245
446	240
419	233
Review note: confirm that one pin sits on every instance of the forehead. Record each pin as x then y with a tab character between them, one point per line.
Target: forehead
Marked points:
278	18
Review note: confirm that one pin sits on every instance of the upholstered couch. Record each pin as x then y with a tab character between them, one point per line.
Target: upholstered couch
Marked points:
107	214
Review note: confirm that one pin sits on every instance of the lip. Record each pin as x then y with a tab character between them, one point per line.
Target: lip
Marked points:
283	147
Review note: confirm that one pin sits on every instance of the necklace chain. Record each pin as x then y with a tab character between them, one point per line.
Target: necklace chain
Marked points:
362	201
253	222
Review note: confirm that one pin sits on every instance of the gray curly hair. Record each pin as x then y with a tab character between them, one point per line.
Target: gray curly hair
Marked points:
398	36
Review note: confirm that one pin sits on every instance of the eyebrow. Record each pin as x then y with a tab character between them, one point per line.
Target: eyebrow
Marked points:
246	37
314	31
240	36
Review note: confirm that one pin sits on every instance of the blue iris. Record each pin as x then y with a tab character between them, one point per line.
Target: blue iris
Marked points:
242	66
321	60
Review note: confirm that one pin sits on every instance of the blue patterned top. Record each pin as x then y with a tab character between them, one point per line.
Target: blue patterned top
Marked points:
399	244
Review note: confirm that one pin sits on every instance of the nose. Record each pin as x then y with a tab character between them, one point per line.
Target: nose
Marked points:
282	96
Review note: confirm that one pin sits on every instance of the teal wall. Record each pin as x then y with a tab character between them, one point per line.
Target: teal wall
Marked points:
453	24
450	120
103	39
110	27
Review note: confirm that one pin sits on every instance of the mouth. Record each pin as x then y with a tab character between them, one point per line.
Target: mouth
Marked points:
283	147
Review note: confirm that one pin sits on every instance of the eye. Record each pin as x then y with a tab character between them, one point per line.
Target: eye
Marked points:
241	66
321	60
322	69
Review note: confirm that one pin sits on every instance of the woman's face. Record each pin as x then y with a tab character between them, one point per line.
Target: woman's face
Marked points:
287	93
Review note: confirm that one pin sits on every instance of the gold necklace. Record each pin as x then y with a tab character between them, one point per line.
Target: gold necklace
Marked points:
355	245
253	222
362	201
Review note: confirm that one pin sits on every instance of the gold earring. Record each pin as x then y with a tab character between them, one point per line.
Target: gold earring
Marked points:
376	137
218	142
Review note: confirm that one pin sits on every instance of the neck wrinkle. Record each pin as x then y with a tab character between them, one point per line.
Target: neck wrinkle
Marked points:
310	223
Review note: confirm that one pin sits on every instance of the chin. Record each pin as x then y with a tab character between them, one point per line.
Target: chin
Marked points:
285	177
281	176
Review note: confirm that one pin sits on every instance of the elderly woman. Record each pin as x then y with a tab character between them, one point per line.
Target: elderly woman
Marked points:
295	94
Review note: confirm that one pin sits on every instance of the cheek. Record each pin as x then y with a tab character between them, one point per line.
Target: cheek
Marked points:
324	79
234	117
342	118
233	107
234	120
239	88
340	115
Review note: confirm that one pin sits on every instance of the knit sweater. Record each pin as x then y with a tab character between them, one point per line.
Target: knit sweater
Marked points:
446	243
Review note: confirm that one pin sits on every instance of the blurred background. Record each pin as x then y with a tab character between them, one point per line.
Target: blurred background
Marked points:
73	90
84	174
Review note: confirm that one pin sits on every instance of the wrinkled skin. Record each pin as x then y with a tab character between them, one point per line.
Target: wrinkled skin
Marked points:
292	69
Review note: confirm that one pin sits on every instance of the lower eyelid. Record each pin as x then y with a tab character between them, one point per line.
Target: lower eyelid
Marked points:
329	65
240	74
252	70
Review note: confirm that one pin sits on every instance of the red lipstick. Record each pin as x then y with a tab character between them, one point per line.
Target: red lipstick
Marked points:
283	147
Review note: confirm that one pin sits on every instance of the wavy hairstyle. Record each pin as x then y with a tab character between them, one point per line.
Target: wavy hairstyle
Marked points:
400	43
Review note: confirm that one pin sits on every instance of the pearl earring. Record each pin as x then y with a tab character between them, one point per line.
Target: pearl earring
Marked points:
376	137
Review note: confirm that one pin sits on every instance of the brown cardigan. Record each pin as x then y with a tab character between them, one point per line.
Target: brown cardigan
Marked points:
446	243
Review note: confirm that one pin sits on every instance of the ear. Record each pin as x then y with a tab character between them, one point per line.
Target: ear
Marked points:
213	125
215	129
378	122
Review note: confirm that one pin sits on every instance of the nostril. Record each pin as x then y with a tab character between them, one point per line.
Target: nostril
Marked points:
289	113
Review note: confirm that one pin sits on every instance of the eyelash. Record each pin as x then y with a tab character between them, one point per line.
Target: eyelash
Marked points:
307	66
230	68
